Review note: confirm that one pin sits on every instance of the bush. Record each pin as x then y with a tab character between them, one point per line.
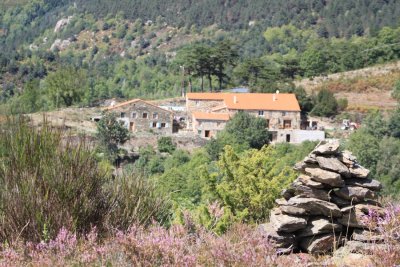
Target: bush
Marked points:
134	201
165	144
47	182
326	104
50	180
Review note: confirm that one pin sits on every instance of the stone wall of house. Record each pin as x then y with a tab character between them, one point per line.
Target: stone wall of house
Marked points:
212	126
276	119
141	116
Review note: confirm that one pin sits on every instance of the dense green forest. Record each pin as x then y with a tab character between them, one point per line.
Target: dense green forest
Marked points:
115	51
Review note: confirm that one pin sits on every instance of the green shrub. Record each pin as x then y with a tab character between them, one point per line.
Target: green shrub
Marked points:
47	182
134	201
165	144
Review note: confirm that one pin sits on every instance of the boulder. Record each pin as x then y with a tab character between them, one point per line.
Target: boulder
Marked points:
367	183
327	148
286	223
280	240
293	210
347	158
321	243
305	191
310	160
356	216
358	171
333	164
307	181
343	257
301	166
314	206
325	177
319	226
367	236
355	193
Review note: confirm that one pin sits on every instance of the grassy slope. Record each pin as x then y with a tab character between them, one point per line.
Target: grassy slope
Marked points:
365	89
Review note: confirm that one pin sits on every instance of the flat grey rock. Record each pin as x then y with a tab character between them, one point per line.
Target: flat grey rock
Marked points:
279	240
307	181
304	191
330	148
319	226
321	244
334	165
355	193
357	171
364	182
326	177
286	223
314	206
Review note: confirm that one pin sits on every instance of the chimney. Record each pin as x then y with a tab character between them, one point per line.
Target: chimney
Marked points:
235	99
275	96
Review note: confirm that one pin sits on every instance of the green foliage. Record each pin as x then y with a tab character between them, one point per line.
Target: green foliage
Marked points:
66	86
375	124
325	104
135	201
165	144
111	133
47	183
248	183
248	129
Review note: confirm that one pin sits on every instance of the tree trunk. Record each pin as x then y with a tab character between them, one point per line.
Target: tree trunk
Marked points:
190	84
210	82
202	83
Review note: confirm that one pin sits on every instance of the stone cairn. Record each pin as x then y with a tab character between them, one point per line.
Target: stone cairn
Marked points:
326	206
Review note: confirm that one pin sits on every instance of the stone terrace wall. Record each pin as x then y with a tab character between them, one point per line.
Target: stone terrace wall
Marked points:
325	207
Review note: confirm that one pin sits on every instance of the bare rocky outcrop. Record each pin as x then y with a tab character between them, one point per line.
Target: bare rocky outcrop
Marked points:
62	23
327	205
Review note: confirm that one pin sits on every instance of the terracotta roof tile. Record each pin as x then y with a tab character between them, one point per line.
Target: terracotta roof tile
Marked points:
211	116
251	101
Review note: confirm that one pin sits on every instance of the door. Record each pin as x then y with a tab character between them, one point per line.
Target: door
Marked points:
206	133
132	126
288	138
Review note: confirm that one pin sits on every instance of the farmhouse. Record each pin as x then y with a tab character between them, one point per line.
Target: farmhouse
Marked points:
138	116
208	113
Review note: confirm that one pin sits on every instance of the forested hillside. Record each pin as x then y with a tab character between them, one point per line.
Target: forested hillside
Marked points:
150	48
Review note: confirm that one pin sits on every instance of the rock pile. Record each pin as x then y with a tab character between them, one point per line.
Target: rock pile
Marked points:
327	205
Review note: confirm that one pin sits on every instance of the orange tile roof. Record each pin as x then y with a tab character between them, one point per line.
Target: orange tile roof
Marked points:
133	101
251	101
211	116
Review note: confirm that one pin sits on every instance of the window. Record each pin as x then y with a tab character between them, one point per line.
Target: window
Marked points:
155	115
133	115
197	103
163	125
144	115
207	133
154	125
123	114
267	122
287	124
283	113
261	113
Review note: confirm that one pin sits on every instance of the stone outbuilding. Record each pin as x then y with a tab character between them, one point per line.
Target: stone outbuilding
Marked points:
139	115
208	124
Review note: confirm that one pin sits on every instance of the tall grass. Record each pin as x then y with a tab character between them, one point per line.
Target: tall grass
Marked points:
47	181
50	180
